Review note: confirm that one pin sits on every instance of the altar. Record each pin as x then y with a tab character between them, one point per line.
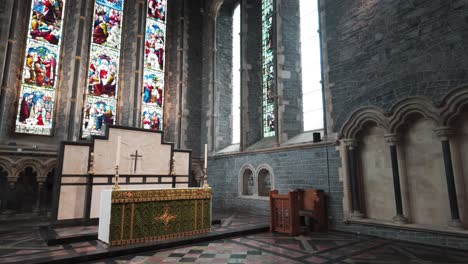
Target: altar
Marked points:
138	216
133	158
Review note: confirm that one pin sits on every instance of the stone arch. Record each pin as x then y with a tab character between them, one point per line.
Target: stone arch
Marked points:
214	8
243	185
454	104
24	163
7	165
48	167
404	109
264	175
360	118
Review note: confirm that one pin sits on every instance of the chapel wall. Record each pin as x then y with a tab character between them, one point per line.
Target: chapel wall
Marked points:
379	52
375	169
427	186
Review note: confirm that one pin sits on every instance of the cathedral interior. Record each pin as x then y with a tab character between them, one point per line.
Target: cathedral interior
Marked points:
366	100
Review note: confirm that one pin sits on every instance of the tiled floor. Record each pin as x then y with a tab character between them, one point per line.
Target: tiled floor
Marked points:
331	247
26	246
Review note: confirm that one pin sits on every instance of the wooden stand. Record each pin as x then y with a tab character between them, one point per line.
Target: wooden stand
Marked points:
284	212
287	211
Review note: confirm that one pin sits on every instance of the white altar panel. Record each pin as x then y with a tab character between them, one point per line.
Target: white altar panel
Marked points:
146	142
153	169
72	202
75	160
104	215
181	163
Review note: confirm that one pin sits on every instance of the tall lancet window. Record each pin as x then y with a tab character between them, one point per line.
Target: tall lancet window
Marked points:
100	105
39	79
312	98
152	108
268	68
236	77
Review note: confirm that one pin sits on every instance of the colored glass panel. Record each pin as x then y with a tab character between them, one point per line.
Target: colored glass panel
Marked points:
100	105
268	68
154	66
36	101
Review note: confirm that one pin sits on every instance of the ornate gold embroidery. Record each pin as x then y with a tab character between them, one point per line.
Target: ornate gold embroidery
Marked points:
166	217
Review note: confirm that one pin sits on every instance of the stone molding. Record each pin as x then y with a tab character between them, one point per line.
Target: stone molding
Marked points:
443	133
442	114
14	166
392	139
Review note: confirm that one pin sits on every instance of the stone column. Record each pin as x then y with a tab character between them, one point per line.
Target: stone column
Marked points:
392	140
353	179
9	195
40	187
444	133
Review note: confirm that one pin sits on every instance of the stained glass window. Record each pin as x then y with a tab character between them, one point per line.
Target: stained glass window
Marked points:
268	67
100	105
154	66
311	67
39	79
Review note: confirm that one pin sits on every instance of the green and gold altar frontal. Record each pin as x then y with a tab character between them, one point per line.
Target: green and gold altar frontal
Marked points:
139	216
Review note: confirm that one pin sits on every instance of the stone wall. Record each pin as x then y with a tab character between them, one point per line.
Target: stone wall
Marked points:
311	167
379	52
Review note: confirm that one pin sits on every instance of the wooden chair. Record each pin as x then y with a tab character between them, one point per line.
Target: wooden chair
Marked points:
313	210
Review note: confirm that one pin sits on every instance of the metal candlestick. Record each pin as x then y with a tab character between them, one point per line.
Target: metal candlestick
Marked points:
116	183
205	179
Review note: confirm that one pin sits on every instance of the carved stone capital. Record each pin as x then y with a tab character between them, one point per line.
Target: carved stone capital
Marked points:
392	139
351	143
443	133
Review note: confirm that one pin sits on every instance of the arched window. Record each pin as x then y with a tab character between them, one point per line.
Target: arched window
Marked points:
154	66
264	182
312	97
37	95
236	76
100	104
248	182
268	68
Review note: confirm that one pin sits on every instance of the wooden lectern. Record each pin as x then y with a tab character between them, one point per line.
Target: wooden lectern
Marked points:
287	211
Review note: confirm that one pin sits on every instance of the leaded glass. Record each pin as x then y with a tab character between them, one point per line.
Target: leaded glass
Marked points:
36	101
268	68
154	66
100	105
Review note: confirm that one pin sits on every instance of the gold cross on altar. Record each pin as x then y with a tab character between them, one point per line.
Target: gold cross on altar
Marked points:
166	217
135	156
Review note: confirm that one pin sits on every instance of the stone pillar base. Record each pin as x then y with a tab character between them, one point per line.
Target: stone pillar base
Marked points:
456	224
357	215
400	219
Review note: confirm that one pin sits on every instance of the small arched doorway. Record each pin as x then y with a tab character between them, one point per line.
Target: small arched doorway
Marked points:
26	191
48	188
3	189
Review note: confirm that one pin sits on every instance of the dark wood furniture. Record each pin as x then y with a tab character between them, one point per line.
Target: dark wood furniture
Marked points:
313	210
297	211
284	212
